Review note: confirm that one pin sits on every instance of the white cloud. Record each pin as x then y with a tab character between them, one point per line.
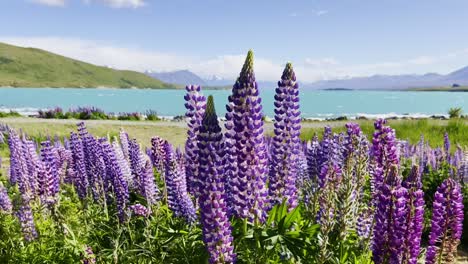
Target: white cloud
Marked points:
321	12
50	2
122	3
229	66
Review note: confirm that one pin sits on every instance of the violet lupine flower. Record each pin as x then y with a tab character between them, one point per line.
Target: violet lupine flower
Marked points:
213	204
150	189
19	169
26	219
247	159
80	177
195	105
158	154
178	198
88	256
119	184
447	147
313	147
326	145
5	202
33	162
384	153
124	142
446	224
49	175
140	210
136	165
390	220
286	143
123	163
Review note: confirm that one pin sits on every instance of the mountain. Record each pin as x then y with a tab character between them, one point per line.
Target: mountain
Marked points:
218	81
182	77
30	67
377	82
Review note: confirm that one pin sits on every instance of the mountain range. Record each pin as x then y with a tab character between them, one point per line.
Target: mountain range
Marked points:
375	82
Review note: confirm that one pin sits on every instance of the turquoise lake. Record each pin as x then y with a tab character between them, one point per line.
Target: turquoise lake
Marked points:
314	104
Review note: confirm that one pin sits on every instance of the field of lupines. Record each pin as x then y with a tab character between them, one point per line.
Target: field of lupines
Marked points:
232	195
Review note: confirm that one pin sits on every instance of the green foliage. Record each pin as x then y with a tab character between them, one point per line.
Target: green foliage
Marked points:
9	114
26	67
455	112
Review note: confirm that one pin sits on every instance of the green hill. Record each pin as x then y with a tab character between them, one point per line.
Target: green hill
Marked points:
30	67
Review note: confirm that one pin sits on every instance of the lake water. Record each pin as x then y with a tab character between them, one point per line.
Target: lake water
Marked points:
314	104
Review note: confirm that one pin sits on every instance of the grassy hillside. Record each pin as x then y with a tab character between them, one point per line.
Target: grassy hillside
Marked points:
29	67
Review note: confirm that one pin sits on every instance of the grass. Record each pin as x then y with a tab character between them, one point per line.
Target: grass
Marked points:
28	67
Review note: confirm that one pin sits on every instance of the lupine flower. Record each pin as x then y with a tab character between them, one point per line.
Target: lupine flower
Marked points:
446	224
447	147
26	219
390	220
247	158
195	105
158	154
178	198
214	212
88	256
313	158
124	142
119	184
81	180
18	168
123	163
5	202
148	186
139	210
50	178
384	153
286	143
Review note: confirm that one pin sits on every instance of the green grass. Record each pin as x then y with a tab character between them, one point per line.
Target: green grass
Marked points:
29	67
439	89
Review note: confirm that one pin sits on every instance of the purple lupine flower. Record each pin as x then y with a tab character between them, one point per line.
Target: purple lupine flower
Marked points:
447	147
286	143
247	159
213	204
18	168
49	175
79	168
313	158
119	184
446	224
88	256
391	215
123	163
149	188
178	198
384	153
5	202
364	223
158	154
195	105
326	145
142	172
33	161
26	219
140	210
124	142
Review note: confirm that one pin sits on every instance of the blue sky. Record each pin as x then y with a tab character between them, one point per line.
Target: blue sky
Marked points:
323	39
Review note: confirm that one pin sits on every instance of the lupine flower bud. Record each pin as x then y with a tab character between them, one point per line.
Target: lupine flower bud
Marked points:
178	198
214	211
195	105
26	219
446	224
88	256
50	181
246	158
119	184
158	154
139	210
286	143
81	179
5	202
